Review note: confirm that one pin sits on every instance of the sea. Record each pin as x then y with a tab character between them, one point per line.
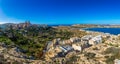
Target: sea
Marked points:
114	31
60	24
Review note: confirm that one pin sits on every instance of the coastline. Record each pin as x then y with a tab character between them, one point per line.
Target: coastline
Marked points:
90	31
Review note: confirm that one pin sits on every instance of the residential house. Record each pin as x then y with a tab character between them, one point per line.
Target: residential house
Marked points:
95	40
84	44
116	61
67	42
64	42
86	38
75	39
77	47
66	48
61	42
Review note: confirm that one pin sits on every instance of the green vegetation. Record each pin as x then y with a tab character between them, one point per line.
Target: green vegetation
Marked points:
32	40
90	55
5	40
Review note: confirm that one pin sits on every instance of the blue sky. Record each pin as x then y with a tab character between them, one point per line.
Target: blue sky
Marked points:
60	11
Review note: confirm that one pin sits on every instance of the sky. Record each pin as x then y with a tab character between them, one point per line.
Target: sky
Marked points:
60	11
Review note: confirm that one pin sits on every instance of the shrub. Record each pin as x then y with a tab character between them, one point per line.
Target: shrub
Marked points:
90	55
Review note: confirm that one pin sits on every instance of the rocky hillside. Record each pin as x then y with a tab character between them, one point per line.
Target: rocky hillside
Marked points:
98	54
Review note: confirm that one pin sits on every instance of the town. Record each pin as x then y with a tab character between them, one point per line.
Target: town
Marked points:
61	48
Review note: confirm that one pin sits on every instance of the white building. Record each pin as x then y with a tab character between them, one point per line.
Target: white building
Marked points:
61	43
86	38
95	40
77	47
116	61
66	48
75	39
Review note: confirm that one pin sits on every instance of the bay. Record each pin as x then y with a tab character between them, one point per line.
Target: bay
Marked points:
114	31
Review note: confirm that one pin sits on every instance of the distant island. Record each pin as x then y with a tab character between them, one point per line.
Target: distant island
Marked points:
96	25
